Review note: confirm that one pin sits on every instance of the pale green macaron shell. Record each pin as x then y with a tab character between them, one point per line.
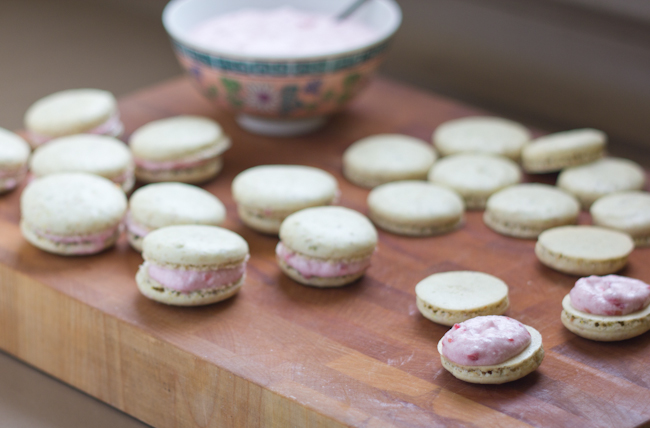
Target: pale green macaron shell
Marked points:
448	298
14	152
584	250
554	152
475	176
415	208
526	210
267	194
383	158
481	134
608	175
627	212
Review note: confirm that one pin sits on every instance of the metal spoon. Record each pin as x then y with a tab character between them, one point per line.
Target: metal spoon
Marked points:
350	10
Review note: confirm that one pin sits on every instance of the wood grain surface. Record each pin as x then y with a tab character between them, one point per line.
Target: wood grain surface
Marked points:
284	355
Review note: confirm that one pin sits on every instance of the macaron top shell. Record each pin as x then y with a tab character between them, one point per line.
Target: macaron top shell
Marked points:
70	112
602	176
14	151
329	233
475	172
284	187
414	201
95	154
586	242
163	204
178	137
532	202
69	204
481	134
461	290
629	211
390	155
194	245
566	142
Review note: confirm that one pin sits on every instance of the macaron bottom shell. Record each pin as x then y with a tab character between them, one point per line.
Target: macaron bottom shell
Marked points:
450	317
259	222
578	266
153	290
192	175
521	229
317	281
412	229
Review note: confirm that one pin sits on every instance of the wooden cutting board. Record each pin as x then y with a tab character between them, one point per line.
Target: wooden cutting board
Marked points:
284	355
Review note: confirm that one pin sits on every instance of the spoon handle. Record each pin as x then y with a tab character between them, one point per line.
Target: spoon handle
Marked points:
350	10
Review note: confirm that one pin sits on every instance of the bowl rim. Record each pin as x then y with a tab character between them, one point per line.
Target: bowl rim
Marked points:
173	5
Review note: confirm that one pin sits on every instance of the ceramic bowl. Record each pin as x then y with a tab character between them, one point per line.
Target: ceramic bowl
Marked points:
274	95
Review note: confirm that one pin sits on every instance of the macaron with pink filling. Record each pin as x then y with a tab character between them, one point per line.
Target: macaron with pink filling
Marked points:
185	149
607	308
491	349
326	246
14	152
72	213
192	265
73	111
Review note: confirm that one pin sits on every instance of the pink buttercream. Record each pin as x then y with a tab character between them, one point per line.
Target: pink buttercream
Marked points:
92	238
485	341
134	227
610	295
197	159
309	267
112	127
190	280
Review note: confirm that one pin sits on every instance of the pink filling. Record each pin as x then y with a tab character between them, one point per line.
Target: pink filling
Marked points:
190	280
134	227
10	179
92	243
191	161
610	295
309	267
485	341
112	127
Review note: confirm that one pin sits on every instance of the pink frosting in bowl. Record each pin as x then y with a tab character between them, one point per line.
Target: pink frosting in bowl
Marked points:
610	295
310	267
485	341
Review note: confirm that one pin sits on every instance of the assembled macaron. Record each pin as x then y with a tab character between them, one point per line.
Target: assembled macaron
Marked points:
267	194
73	111
192	265
448	298
326	246
415	208
383	158
184	149
481	134
554	152
95	154
14	152
72	213
168	204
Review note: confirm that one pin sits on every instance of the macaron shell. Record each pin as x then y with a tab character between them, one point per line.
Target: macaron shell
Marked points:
71	204
192	175
604	328
329	233
177	137
382	158
166	204
94	154
563	149
515	368
481	135
70	112
14	151
194	245
627	212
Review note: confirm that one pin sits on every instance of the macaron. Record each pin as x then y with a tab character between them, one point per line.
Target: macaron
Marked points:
72	213
415	208
192	265
383	158
74	111
481	134
184	149
14	152
596	179
608	308
94	154
326	246
448	298
491	350
584	250
475	176
267	194
554	152
526	210
627	212
168	204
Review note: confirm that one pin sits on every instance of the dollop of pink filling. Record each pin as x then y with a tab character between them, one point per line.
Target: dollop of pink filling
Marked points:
485	341
309	267
198	159
190	280
610	295
112	127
